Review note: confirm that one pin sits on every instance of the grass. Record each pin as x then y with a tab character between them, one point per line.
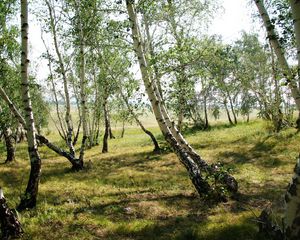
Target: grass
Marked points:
130	193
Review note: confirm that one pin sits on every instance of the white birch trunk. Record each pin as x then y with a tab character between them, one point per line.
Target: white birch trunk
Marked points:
194	172
295	6
62	130
83	98
68	118
292	196
292	206
273	38
29	198
75	163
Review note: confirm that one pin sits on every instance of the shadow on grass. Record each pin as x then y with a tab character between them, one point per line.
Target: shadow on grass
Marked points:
188	227
196	129
261	153
260	194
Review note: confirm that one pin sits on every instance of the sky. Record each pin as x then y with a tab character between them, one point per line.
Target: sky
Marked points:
235	17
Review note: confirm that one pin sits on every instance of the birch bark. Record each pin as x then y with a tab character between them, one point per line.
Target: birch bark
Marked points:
292	196
295	6
186	154
29	198
9	143
9	223
200	184
75	163
273	38
292	206
83	94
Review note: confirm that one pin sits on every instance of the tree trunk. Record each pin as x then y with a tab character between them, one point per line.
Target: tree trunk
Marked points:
10	149
83	94
10	225
277	115
152	53
186	154
28	200
295	6
205	113
149	133
292	206
198	181
97	134
75	163
95	115
123	129
62	130
77	132
106	132
232	109
227	112
273	38
68	118
110	133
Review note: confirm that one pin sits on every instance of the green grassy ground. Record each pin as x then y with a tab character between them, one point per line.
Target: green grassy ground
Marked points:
129	193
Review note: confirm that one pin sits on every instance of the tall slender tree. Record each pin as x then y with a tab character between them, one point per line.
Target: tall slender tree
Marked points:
189	158
28	200
291	79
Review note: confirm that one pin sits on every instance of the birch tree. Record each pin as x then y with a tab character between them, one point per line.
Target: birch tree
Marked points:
63	72
9	223
188	157
291	226
292	197
28	200
291	78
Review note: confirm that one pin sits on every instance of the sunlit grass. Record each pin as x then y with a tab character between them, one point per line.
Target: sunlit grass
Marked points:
131	193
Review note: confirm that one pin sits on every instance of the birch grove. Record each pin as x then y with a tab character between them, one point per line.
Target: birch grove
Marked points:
147	67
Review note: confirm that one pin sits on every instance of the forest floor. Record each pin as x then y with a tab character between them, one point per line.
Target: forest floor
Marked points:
131	193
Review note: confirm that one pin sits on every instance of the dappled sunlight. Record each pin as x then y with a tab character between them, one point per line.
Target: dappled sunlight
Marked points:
131	193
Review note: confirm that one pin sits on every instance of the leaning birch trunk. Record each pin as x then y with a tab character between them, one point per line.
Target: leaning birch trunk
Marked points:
150	49
134	115
75	163
184	151
156	149
200	184
273	38
9	223
28	200
230	183
228	180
